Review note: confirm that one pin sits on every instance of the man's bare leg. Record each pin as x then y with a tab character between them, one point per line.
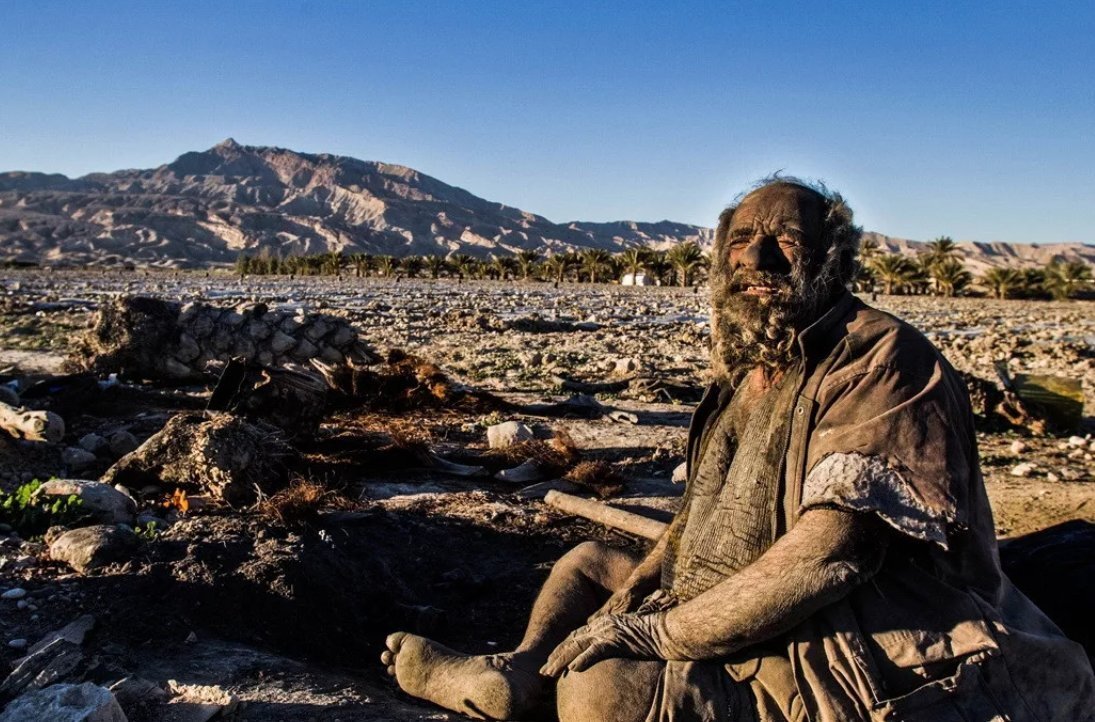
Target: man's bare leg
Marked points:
505	686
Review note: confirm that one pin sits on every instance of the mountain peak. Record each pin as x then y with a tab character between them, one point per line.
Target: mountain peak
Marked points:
228	144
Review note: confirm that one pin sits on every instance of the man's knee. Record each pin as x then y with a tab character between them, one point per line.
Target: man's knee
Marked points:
600	563
614	690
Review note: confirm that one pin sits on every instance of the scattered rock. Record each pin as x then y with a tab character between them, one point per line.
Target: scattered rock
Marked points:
15	593
134	693
65	703
1018	447
58	661
1024	469
525	473
107	504
76	458
18	644
680	473
73	632
1077	442
625	366
8	396
122	442
507	434
93	443
93	547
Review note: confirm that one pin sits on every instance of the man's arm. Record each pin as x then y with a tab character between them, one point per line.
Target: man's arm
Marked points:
827	554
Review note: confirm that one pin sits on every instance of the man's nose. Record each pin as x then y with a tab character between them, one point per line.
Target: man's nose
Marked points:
764	254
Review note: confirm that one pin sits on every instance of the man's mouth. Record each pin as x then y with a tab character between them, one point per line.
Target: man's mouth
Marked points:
759	290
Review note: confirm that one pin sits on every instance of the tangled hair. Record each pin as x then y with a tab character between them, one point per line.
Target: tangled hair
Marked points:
748	333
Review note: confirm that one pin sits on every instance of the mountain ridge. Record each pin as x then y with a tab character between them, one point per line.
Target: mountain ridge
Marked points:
206	207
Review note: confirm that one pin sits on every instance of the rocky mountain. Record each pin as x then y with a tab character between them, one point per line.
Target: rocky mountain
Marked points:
979	257
207	207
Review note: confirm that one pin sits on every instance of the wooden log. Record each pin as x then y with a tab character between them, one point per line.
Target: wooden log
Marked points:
32	425
610	516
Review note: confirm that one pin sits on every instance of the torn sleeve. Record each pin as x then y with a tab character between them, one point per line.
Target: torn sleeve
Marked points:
856	482
897	441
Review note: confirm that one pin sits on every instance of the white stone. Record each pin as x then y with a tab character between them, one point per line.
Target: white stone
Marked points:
507	433
1077	442
1018	447
18	644
1022	470
16	593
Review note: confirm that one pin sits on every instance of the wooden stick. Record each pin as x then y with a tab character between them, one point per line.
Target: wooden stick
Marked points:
31	425
610	516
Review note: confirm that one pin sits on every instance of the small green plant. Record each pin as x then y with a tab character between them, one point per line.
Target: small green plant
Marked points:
30	514
147	532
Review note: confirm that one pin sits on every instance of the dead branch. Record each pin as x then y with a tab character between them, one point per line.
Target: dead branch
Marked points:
610	516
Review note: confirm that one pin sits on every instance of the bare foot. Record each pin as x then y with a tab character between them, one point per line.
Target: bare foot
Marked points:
490	687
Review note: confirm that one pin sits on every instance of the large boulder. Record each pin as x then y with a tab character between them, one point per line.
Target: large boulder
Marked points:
65	703
218	454
106	504
93	547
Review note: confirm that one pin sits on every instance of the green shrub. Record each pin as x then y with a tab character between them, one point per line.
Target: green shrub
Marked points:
30	514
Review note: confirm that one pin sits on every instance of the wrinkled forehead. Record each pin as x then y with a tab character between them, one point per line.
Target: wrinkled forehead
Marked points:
781	203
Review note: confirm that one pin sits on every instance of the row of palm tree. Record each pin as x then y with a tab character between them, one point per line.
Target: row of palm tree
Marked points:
683	265
938	270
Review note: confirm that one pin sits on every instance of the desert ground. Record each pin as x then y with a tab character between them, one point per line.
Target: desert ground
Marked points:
287	616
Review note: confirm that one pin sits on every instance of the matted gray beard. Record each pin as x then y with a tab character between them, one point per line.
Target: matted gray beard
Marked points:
750	331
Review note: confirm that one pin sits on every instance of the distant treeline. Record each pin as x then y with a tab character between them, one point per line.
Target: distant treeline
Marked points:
938	270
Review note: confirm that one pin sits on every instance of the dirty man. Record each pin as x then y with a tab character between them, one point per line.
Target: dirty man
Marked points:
834	557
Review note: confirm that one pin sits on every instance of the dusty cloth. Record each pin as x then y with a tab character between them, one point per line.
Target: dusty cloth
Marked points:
881	424
730	506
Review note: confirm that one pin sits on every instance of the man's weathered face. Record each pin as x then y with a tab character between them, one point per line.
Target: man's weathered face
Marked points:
774	234
765	284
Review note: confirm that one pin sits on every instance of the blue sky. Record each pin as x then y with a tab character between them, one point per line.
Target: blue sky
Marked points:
969	119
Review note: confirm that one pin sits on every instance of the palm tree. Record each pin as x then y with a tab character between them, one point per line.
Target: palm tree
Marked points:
1002	282
436	265
685	258
502	266
362	263
1065	278
893	270
633	260
950	276
597	263
386	265
557	265
331	263
412	266
868	250
526	263
657	263
940	249
462	264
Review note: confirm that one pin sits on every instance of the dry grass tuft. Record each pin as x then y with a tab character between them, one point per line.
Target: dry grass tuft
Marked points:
600	477
301	502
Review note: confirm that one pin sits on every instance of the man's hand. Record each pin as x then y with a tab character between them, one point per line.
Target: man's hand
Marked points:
621	602
633	636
